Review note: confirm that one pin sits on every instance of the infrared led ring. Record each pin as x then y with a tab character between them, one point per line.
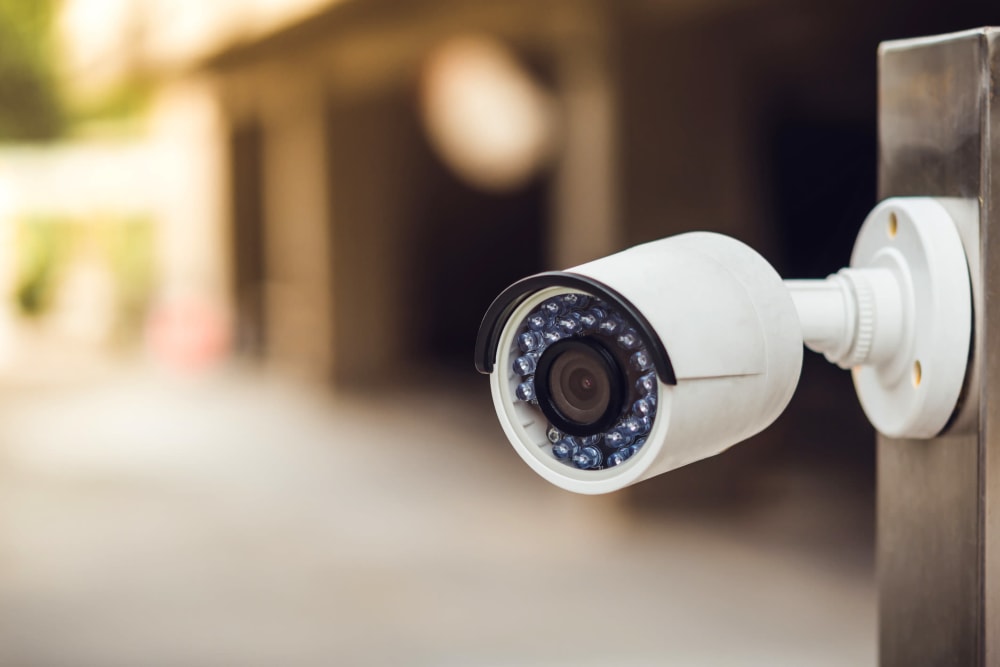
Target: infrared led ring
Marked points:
584	367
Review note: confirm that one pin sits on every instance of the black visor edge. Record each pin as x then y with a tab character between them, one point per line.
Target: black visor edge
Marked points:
504	305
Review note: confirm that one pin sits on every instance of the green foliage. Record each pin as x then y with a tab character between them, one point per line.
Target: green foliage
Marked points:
124	245
129	249
42	245
126	101
29	102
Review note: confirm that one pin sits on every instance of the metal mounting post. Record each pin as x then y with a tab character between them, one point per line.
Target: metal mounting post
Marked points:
939	500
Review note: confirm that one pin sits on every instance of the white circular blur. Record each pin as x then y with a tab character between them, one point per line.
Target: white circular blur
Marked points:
485	115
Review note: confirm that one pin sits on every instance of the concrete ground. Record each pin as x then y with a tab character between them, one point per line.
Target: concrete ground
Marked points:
238	519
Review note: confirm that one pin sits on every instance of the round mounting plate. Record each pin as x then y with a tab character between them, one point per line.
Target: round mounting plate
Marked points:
913	394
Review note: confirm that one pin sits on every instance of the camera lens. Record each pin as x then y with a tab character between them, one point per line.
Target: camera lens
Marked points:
580	386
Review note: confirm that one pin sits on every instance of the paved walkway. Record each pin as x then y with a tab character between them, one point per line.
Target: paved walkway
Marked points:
240	520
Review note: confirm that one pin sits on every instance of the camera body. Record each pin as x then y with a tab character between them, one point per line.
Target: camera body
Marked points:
646	360
672	351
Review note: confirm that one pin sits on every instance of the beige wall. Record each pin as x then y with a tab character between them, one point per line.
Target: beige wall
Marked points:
190	184
287	103
296	221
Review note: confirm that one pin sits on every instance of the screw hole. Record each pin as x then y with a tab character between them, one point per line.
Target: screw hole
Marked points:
893	225
918	373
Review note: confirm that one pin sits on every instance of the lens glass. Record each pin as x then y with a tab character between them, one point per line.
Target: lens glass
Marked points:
579	385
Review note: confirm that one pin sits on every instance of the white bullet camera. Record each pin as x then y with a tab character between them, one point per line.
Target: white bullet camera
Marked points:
672	351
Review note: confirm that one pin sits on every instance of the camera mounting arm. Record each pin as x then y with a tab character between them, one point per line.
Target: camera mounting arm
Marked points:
900	317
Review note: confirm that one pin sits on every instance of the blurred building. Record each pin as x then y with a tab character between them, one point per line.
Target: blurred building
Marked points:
345	186
392	166
365	240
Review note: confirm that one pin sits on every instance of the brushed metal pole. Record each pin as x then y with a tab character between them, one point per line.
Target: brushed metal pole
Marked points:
938	501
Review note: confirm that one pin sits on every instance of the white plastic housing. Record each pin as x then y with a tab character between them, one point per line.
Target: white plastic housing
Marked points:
732	333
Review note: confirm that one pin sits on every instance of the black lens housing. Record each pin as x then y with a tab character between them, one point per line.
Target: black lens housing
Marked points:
555	402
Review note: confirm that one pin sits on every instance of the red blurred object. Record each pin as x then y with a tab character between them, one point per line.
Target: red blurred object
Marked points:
190	335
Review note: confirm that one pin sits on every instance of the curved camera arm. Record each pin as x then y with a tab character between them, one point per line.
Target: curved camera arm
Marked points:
900	317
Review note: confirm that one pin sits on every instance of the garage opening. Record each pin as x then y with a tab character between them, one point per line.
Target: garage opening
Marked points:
418	253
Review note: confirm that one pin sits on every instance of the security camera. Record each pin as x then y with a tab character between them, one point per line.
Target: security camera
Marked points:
634	364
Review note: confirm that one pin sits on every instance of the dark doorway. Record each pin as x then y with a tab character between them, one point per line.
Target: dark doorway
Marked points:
819	204
418	254
250	272
471	244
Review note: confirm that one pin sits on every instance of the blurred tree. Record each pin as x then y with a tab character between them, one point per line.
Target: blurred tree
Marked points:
29	102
